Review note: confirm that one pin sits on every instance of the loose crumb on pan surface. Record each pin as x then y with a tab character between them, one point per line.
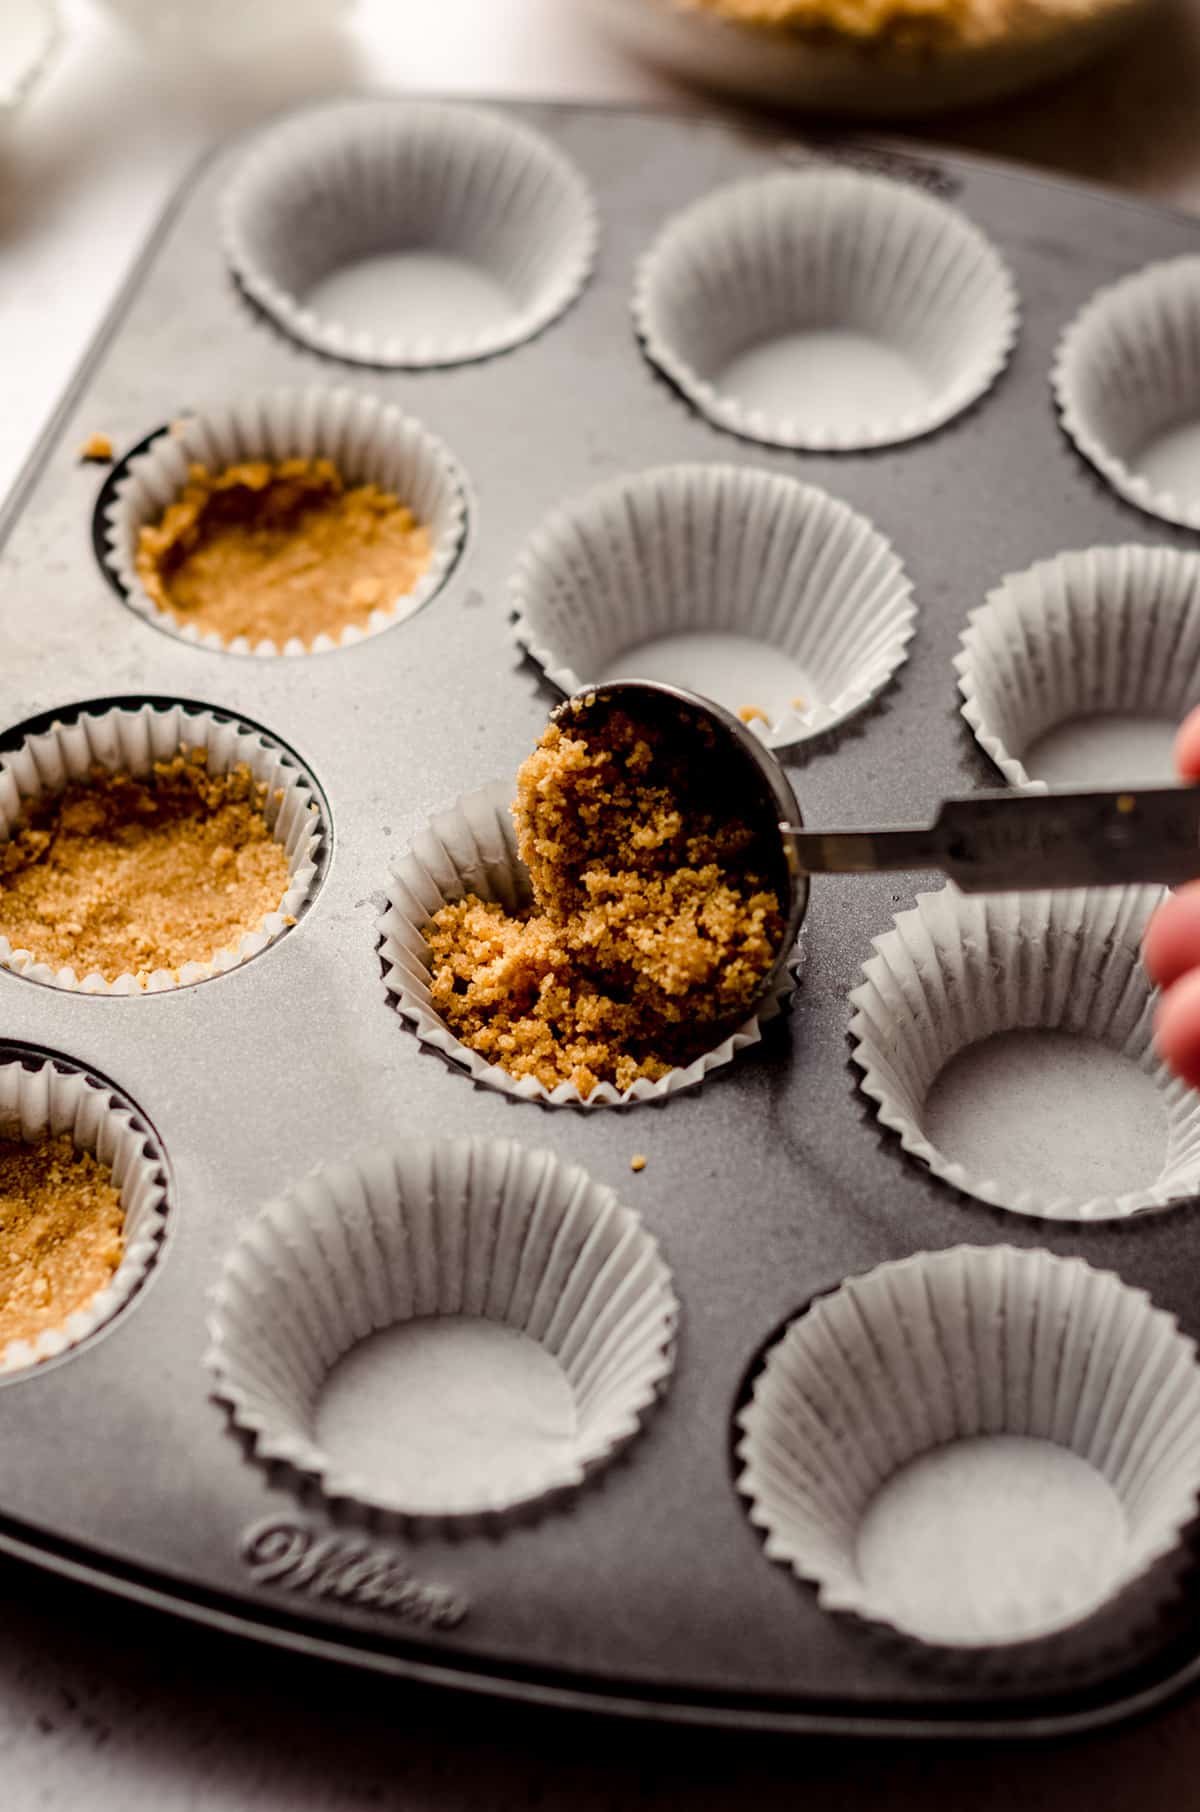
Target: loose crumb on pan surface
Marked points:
637	1161
905	24
97	447
60	1233
122	875
753	713
651	919
276	551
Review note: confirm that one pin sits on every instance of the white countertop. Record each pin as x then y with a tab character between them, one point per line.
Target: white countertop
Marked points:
106	1707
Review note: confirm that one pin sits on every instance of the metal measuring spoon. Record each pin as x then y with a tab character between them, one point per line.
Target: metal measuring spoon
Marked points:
991	842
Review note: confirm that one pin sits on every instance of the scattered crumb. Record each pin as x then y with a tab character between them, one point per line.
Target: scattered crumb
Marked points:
61	1227
650	919
799	703
97	447
637	1161
274	552
752	713
122	875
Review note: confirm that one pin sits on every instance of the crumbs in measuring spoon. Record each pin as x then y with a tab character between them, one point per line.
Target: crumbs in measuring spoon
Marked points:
652	919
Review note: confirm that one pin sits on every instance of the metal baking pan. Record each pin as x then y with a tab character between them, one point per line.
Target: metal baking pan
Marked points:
649	1592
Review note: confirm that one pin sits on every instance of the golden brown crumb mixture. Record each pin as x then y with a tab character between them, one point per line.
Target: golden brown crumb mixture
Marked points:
650	919
97	447
275	551
60	1233
123	876
912	24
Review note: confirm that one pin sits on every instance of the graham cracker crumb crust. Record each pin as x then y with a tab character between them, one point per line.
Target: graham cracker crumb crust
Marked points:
652	919
280	551
122	875
61	1233
97	448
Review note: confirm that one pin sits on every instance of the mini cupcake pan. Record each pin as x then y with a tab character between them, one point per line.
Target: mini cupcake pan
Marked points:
867	1403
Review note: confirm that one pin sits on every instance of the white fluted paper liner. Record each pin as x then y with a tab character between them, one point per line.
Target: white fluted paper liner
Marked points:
711	552
41	1100
1127	381
475	209
131	740
1104	632
826	309
944	1355
369	442
472	848
958	968
455	1231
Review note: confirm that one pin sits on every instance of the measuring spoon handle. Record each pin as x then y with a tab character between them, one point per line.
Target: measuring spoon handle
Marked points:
1004	842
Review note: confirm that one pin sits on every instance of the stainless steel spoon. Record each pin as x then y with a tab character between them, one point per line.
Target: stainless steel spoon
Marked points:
991	842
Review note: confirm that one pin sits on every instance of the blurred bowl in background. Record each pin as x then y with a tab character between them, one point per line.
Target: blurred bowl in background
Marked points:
886	75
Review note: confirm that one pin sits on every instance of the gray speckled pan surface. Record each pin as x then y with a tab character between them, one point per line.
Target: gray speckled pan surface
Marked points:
769	1184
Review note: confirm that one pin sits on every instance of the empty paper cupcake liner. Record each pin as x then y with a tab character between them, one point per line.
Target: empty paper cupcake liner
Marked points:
882	311
958	969
437	1238
131	740
469	230
767	594
42	1099
368	441
472	848
1127	381
1107	632
885	1419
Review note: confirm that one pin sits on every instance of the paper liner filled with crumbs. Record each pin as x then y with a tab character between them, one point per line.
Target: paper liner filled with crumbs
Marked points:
472	849
825	309
144	745
47	1101
1079	670
443	1332
1127	381
1006	1040
765	594
980	1449
338	449
408	232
